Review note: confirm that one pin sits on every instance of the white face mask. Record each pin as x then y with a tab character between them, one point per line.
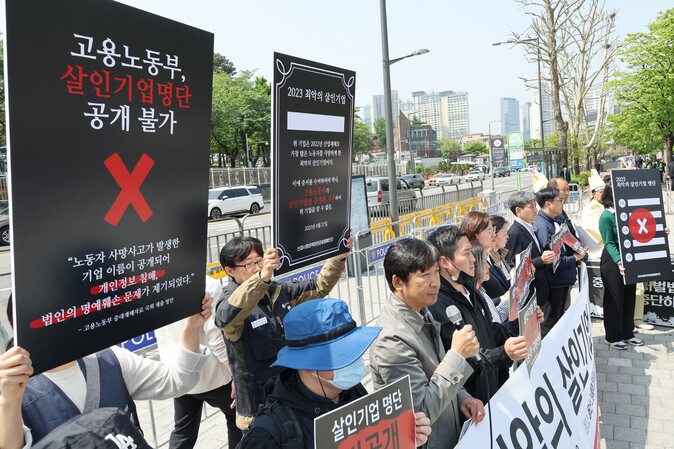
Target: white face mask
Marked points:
347	377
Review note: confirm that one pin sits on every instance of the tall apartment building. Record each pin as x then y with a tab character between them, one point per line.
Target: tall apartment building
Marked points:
525	120
366	115
592	102
447	112
510	115
377	107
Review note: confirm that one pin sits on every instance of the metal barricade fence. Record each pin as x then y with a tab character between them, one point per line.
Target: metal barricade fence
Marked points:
574	205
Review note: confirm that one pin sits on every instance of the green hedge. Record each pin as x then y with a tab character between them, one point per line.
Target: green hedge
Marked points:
581	178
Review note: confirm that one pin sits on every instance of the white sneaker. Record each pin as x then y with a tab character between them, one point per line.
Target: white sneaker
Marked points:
634	341
620	345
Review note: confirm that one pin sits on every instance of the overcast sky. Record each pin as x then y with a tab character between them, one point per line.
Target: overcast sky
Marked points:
347	33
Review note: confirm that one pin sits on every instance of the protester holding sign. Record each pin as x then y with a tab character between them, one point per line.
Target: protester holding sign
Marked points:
497	284
410	344
549	222
520	236
113	377
250	312
214	387
324	357
498	344
595	208
619	299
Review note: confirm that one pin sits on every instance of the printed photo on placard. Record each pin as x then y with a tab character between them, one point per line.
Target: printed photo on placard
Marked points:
530	328
524	273
312	136
109	112
557	245
640	222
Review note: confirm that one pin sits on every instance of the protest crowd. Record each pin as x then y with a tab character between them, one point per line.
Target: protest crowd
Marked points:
274	356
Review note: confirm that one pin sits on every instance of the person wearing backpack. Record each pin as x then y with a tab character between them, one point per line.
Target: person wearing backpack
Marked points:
324	361
31	407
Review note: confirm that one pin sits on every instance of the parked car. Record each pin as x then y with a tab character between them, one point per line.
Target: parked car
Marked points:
234	200
475	175
500	172
4	230
447	179
414	180
378	195
434	179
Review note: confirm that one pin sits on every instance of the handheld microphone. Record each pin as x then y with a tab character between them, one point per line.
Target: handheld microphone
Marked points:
454	315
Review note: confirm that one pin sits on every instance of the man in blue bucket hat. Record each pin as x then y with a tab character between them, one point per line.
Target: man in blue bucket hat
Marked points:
324	357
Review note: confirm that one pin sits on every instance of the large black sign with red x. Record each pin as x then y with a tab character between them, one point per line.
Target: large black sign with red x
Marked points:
109	114
640	220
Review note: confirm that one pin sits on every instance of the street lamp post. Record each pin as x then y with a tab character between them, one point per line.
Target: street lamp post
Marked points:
491	156
388	111
540	85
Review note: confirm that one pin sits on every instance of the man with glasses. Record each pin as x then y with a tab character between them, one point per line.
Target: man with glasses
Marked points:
251	311
520	235
547	224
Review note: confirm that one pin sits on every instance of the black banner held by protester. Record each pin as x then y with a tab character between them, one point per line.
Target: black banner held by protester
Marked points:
384	418
109	111
312	134
640	220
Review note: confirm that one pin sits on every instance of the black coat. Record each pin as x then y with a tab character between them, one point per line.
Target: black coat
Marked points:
288	390
498	283
518	240
490	335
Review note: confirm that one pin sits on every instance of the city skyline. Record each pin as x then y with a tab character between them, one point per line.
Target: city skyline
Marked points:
347	34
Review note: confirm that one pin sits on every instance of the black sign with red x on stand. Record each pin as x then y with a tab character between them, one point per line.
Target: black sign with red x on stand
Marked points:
109	114
640	222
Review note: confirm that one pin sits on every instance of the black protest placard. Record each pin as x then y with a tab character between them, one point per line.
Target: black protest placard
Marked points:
556	246
524	273
498	152
659	303
530	329
384	418
109	112
312	128
640	221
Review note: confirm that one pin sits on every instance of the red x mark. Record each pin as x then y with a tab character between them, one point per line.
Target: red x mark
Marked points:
130	184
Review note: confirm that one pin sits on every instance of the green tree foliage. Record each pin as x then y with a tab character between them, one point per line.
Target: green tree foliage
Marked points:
409	166
362	137
223	65
417	169
645	90
476	148
380	131
449	148
427	170
241	108
416	121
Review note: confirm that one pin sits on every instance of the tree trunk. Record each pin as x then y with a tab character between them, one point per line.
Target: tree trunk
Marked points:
669	142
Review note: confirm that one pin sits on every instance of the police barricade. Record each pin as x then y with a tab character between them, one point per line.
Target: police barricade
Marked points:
574	205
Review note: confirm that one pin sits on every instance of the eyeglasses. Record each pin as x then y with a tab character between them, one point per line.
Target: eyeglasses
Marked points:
249	266
491	231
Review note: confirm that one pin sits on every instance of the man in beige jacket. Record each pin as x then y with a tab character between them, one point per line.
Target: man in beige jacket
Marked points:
410	344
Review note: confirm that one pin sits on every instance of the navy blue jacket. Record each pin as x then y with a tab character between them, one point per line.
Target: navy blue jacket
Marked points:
498	283
565	276
45	406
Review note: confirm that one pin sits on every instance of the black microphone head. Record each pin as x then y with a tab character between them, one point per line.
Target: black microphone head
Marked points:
454	316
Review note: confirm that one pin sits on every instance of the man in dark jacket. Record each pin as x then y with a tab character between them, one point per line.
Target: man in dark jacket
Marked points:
499	343
250	312
325	360
521	234
548	223
565	173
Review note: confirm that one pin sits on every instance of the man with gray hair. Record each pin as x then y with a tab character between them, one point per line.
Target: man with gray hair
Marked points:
523	205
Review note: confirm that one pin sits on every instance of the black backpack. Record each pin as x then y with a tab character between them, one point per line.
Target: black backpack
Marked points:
101	428
287	424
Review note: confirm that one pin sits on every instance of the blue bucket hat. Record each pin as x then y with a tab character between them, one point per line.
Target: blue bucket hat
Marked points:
322	336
